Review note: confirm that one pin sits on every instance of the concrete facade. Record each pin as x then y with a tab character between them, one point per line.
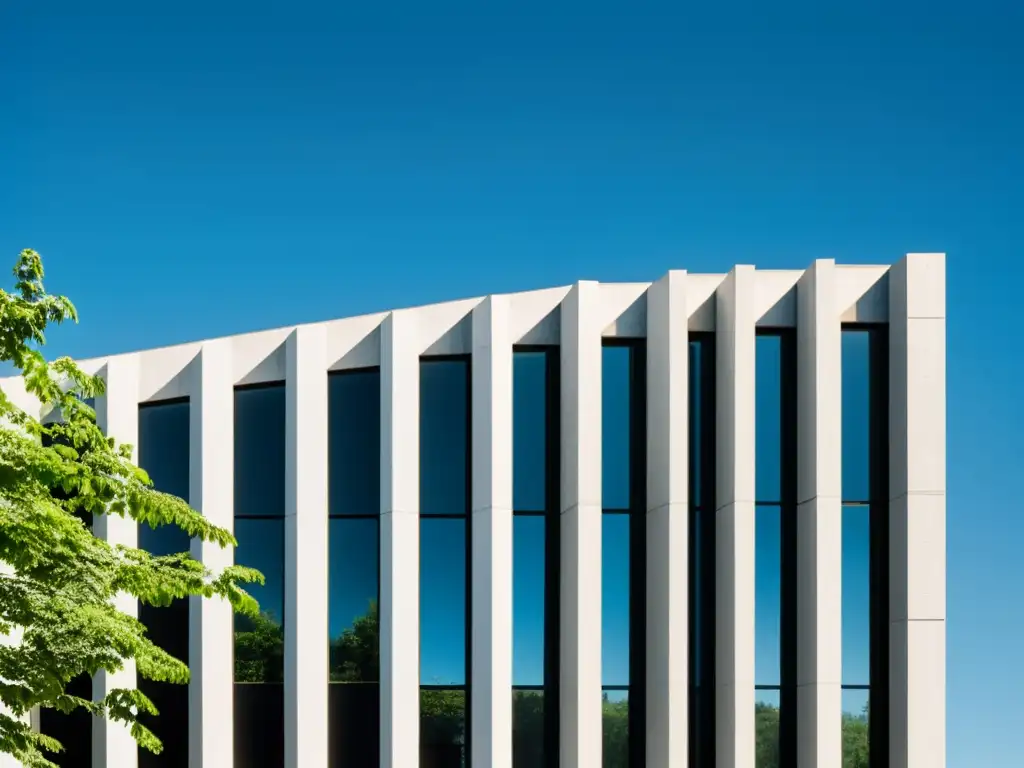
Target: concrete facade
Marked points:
908	298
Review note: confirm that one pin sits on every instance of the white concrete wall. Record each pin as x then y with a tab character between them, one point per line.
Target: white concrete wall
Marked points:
491	632
819	519
816	301
580	655
668	366
306	663
117	414
734	520
917	512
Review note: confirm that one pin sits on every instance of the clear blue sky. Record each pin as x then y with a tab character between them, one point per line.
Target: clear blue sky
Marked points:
190	172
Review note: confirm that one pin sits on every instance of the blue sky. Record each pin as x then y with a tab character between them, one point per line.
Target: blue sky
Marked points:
190	172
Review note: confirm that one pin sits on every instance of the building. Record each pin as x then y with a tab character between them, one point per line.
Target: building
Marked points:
676	523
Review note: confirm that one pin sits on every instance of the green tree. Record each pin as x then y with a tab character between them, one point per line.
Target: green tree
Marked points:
57	580
528	727
856	742
259	649
766	735
355	654
615	729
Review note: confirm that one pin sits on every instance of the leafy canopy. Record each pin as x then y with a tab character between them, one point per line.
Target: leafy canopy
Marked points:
57	580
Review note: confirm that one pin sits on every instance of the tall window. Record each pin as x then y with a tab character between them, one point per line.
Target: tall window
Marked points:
444	561
774	557
702	549
164	454
354	572
259	529
865	545
623	537
535	558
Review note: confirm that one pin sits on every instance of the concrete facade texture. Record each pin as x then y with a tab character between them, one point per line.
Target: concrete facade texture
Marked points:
908	297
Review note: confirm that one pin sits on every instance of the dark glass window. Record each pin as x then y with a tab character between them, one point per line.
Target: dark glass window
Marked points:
529	431
615	730
259	642
767	516
528	588
536	521
259	451
615	426
529	720
443	601
73	730
353	593
702	548
768	596
774	548
856	595
354	442
354	571
443	742
259	464
623	555
768	415
767	728
444	563
615	600
865	543
856	418
164	453
444	436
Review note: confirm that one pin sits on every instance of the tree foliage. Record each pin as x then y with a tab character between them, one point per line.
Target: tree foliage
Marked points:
57	580
766	744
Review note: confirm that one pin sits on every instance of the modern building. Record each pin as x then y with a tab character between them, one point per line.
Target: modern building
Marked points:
695	522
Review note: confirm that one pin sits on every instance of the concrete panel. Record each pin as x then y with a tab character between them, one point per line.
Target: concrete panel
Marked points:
862	293
700	300
306	554
734	566
211	492
775	297
917	512
917	687
117	414
491	632
819	519
667	522
580	683
917	570
399	541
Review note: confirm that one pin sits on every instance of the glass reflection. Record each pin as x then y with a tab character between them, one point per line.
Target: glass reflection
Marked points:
444	428
766	729
856	422
529	435
768	410
164	454
528	600
615	729
353	618
259	450
259	642
768	595
615	599
528	729
442	601
442	728
856	733
696	420
856	606
615	374
354	442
